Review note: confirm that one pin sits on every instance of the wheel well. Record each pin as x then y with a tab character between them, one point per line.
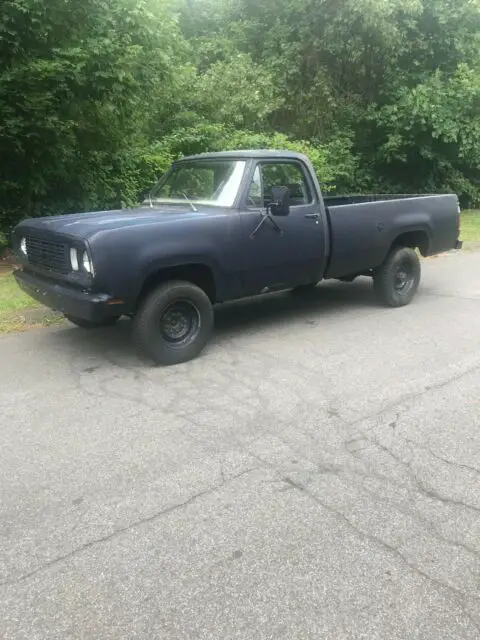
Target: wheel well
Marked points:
198	274
414	240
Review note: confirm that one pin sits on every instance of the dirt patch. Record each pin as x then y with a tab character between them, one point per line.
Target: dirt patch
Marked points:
8	257
8	262
39	316
29	319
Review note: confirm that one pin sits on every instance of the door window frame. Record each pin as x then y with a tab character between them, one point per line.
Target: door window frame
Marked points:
288	161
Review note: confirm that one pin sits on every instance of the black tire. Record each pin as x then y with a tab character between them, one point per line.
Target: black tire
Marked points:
173	323
90	324
396	281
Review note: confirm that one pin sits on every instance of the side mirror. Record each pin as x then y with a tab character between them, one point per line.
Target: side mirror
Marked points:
280	205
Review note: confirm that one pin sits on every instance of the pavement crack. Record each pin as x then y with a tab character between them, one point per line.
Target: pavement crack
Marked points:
421	485
458	465
408	397
458	595
126	528
429	525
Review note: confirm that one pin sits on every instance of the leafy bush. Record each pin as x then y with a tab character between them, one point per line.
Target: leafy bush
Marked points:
97	98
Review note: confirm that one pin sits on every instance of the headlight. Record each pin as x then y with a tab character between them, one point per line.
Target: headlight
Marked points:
87	263
23	246
74	259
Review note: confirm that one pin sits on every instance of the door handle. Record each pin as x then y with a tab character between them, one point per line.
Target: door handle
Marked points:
313	216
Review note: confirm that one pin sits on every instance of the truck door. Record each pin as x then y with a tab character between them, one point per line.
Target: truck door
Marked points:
292	251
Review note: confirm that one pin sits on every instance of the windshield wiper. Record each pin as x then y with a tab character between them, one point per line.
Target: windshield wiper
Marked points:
194	208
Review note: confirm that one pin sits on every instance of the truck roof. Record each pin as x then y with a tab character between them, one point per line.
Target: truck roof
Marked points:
248	153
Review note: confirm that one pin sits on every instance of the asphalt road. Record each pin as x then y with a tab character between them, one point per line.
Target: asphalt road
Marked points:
315	475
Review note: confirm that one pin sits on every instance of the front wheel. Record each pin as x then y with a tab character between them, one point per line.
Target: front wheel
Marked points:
91	324
173	323
396	281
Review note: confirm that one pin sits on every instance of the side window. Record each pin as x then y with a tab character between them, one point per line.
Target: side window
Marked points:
255	196
279	174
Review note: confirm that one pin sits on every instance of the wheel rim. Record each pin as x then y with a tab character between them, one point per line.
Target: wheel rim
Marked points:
180	323
403	277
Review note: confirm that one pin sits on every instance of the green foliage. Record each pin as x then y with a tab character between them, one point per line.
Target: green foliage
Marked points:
428	139
334	162
97	97
359	71
72	100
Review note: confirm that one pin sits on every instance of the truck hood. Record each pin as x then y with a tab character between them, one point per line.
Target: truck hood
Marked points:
87	224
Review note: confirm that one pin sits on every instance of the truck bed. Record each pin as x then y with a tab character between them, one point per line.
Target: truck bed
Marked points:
336	201
363	228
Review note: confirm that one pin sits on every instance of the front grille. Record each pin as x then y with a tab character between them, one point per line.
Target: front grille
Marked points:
47	254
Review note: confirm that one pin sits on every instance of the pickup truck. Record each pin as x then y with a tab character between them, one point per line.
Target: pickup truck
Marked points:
219	227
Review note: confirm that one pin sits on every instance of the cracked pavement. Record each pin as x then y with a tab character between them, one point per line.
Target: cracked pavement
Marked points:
314	475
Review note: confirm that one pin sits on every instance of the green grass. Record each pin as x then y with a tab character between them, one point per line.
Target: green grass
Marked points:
18	312
12	297
470	228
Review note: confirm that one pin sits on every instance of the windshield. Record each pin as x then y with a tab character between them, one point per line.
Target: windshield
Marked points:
209	182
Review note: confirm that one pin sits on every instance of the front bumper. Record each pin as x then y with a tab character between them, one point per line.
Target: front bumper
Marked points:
68	300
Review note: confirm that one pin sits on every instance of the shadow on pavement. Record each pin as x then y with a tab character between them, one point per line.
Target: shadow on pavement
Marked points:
272	310
233	319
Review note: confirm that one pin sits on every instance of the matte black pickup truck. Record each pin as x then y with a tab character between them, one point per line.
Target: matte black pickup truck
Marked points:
223	226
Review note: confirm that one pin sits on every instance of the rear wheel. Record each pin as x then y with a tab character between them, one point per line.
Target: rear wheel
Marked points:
174	323
396	281
90	324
